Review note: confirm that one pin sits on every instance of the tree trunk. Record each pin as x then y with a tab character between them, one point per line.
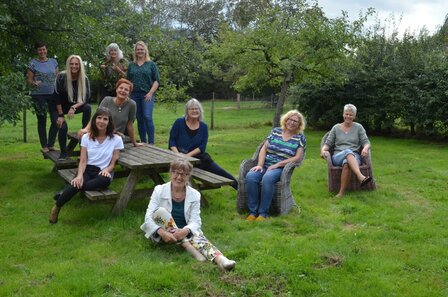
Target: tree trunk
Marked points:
281	101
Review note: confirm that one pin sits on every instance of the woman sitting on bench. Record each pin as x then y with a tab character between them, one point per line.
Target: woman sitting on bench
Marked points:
189	135
99	153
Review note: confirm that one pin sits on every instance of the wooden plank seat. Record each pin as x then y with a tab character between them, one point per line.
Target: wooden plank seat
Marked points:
69	174
209	180
205	180
60	164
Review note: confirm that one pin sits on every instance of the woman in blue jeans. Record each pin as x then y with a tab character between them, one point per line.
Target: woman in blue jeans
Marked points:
143	73
285	144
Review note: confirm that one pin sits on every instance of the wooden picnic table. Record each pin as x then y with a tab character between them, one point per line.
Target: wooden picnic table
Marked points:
143	160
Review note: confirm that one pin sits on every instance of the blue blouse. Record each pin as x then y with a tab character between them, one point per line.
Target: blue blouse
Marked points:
184	140
279	150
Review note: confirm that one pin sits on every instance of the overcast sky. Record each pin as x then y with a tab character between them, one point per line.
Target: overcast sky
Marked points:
415	13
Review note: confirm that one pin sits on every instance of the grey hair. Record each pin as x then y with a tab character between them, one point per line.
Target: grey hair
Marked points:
194	103
114	46
181	164
350	107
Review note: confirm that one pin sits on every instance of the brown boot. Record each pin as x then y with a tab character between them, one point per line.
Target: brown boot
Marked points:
54	214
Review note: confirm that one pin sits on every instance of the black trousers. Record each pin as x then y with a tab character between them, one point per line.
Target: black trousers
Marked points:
92	182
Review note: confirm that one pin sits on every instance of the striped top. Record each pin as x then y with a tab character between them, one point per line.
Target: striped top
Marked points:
279	150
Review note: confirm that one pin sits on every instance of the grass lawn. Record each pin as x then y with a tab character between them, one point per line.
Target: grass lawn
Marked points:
390	242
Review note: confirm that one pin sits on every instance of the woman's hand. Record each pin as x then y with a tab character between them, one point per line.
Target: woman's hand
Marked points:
256	168
323	154
77	182
166	236
71	113
105	173
149	96
81	132
180	233
103	66
60	121
365	152
273	166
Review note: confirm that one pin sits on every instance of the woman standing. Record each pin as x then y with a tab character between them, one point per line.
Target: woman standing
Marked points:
122	110
99	152
173	216
71	95
189	135
285	144
112	70
41	74
347	138
143	73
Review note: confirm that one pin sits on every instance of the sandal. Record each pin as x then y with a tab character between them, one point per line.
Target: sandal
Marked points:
366	180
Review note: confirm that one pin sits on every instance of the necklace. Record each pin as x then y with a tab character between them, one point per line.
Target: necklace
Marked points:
119	106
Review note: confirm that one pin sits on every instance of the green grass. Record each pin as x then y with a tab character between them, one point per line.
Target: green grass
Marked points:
390	242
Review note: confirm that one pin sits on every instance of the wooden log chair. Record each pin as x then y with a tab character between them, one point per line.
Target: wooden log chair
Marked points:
283	201
334	172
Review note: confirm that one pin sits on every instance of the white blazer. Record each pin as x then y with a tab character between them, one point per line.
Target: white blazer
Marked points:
161	197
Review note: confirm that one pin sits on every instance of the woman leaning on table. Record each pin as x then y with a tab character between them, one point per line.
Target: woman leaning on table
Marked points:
143	73
173	217
283	145
189	135
100	149
41	74
122	109
347	138
72	92
113	68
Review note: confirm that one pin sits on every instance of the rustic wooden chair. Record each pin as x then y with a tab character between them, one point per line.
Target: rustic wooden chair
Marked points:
334	172
283	200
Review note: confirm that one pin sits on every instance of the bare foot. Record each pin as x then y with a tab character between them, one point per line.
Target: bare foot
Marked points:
339	195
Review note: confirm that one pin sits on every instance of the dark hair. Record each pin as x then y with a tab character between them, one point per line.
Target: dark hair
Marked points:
39	44
110	126
124	81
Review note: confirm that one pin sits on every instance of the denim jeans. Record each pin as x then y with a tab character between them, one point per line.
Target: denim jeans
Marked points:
340	158
259	203
145	123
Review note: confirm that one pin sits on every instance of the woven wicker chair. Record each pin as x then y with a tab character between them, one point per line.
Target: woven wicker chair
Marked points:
334	172
283	200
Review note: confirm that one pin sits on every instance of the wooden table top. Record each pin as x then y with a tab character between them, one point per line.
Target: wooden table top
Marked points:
149	156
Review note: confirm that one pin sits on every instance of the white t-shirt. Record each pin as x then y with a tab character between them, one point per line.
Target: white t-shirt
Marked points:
100	154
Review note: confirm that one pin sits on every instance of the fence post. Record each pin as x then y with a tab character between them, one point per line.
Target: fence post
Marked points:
238	101
212	124
24	125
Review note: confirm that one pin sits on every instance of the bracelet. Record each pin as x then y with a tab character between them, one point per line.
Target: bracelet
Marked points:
61	115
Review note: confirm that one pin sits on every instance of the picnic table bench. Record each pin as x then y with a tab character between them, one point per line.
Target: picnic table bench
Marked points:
205	180
69	174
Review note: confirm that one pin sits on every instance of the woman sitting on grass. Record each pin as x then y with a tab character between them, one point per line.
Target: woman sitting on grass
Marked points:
285	144
99	153
347	138
173	216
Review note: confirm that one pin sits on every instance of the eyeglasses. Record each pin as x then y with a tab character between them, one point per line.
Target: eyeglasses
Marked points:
293	121
193	108
178	173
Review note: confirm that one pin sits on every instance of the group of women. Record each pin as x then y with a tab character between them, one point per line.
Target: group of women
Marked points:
67	93
173	214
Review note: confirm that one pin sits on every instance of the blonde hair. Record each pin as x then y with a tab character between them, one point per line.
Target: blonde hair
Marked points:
82	81
147	58
289	114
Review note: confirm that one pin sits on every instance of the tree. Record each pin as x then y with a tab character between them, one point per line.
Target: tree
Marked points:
290	42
